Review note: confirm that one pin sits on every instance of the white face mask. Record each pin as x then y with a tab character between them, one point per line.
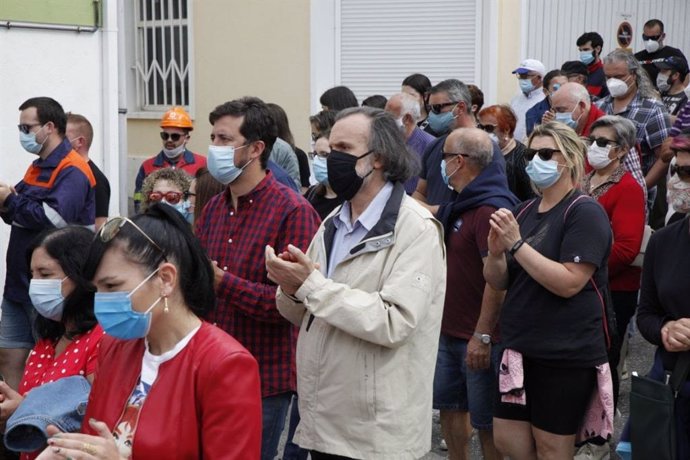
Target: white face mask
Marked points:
174	152
652	46
662	82
617	87
678	194
598	157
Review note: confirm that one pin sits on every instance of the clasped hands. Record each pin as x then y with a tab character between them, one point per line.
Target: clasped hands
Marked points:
504	232
289	269
675	335
5	191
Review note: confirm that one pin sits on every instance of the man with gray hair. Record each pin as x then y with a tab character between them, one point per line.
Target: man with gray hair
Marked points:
573	99
469	354
368	298
633	96
406	111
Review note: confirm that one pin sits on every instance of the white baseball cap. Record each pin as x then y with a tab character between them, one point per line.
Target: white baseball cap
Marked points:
531	65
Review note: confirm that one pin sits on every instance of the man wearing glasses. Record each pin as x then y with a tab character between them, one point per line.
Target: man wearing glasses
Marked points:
530	75
57	190
176	125
654	49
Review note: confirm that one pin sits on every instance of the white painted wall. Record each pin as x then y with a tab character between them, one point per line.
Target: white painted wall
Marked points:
66	66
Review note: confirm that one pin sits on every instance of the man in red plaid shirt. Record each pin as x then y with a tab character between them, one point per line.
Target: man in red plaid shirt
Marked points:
235	227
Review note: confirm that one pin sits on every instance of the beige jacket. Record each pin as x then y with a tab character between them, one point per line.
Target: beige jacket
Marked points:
368	337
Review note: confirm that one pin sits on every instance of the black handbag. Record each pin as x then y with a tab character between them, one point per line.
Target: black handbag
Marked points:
652	413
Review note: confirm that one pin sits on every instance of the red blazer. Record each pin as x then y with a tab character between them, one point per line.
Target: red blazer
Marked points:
205	402
624	204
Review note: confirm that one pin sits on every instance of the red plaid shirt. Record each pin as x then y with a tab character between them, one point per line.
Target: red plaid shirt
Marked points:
236	238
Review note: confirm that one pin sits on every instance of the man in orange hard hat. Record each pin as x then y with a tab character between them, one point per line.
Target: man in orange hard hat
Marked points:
176	125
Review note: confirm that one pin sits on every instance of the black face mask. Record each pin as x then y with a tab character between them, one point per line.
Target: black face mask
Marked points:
342	175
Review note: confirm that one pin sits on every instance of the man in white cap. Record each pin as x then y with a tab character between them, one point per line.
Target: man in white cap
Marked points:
530	76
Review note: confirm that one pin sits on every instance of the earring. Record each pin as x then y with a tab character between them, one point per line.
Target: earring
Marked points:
166	309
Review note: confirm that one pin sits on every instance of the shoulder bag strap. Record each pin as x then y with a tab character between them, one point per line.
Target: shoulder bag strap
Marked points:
680	372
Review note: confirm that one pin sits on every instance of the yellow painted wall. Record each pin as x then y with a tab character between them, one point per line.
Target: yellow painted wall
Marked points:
509	29
241	48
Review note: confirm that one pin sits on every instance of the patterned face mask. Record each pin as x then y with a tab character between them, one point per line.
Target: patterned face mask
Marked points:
678	194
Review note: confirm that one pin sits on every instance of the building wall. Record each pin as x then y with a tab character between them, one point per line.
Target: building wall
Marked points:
258	48
509	25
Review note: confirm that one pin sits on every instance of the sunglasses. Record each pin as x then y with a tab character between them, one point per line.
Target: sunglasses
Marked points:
436	108
112	227
445	155
545	153
682	171
25	128
488	128
599	141
174	136
651	37
170	197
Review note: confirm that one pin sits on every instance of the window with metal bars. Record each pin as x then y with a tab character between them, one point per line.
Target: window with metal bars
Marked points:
162	65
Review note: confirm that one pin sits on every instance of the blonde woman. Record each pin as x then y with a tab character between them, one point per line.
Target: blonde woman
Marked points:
551	256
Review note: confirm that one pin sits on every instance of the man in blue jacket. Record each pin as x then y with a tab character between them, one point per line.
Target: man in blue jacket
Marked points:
57	190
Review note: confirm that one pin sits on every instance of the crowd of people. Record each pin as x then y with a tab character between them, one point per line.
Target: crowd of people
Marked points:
429	252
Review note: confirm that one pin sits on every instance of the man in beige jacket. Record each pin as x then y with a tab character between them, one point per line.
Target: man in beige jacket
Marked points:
368	298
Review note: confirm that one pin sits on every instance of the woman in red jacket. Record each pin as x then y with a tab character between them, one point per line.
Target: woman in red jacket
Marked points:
169	385
611	138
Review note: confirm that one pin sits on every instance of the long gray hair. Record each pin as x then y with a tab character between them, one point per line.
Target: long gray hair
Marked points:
387	143
645	87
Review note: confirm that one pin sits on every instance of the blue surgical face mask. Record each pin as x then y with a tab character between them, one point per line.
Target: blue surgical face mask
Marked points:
441	122
566	118
526	85
117	318
587	57
187	211
29	142
320	165
446	177
182	207
46	297
221	163
543	173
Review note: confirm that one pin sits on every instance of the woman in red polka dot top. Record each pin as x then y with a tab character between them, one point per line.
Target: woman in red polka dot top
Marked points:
66	326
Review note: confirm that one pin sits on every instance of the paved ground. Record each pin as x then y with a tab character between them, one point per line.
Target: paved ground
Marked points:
640	359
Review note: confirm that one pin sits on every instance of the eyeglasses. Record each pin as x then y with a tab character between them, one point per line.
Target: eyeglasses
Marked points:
436	108
170	197
174	136
445	155
111	228
599	141
313	155
545	153
488	128
651	37
525	76
682	171
25	128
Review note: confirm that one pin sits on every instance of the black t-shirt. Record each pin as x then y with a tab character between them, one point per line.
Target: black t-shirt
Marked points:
102	191
518	180
675	102
648	59
541	325
320	203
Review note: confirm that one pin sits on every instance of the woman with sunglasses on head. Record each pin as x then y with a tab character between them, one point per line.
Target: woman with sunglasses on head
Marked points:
551	257
68	334
499	122
611	138
171	187
169	385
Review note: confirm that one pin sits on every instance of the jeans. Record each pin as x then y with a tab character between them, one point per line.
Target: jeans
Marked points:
273	412
292	451
16	327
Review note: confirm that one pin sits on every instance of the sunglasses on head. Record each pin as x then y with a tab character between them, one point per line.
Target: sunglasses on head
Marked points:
170	197
600	141
651	37
488	128
174	136
682	171
436	108
545	153
112	227
25	128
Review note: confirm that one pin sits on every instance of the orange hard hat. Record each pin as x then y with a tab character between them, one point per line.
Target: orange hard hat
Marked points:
177	117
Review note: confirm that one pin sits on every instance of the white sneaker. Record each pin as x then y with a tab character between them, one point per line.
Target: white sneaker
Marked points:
442	445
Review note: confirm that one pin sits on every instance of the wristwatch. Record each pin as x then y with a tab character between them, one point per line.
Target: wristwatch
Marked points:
484	338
